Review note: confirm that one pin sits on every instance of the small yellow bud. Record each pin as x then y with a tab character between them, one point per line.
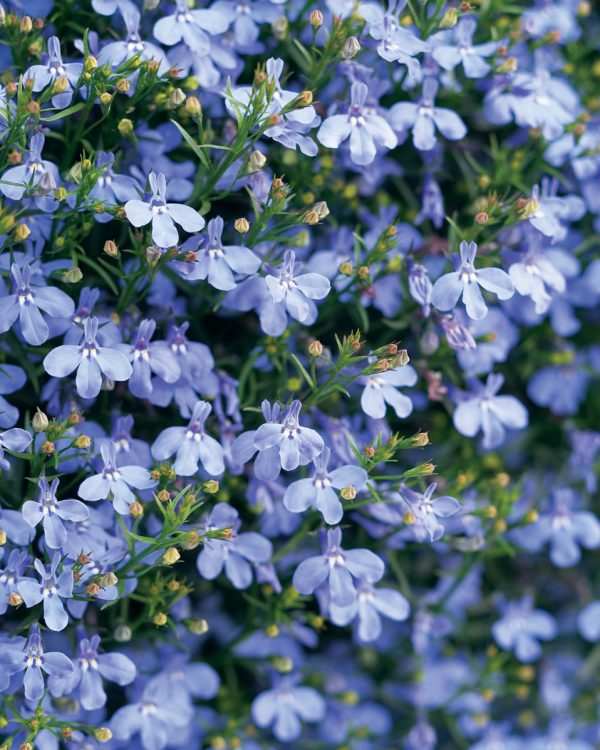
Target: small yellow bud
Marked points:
22	232
500	526
346	268
256	162
509	65
211	486
171	556
409	518
123	86
26	25
108	580
160	619
92	589
15	599
531	516
136	509
421	439
449	19
3	537
60	85
305	98
105	98
82	442
48	447
61	193
315	19
111	249
176	99
279	27
242	225
103	734
73	275
125	127
193	106
197	627
482	218
272	631
315	348
349	492
283	664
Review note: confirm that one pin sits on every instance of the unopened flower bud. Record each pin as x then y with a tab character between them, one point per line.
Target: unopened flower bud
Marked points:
39	421
346	268
103	734
106	98
280	27
211	486
315	348
193	106
176	99
409	518
73	275
164	496
531	516
351	48
26	746
482	218
22	232
283	664
82	442
256	162
171	556
14	599
197	627
160	619
26	25
272	631
48	447
348	493
60	85
315	19
401	359
125	127
508	66
123	86
449	19
421	439
3	537
311	218
108	580
111	249
153	255
136	509
122	633
242	225
92	589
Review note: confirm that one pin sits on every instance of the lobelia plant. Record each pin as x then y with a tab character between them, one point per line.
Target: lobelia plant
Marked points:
299	375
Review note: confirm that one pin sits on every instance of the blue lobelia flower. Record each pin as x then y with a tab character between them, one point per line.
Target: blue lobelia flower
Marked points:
560	388
163	215
55	68
427	511
463	51
423	118
481	409
91	361
114	483
521	627
28	656
11	575
285	705
191	445
548	212
35	176
494	337
368	607
52	512
319	491
190	26
116	53
296	292
245	18
149	357
16	440
111	188
218	263
381	389
588	621
338	568
432	207
365	129
154	717
235	554
90	666
51	589
466	280
566	527
396	43
197	377
25	304
283	441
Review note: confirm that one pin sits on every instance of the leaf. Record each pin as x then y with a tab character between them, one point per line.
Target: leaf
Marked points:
300	367
196	148
64	113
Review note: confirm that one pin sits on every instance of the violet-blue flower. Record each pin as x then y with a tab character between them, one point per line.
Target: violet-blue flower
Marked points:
51	512
285	705
51	589
163	215
381	390
47	75
319	491
521	628
91	360
149	357
25	304
192	445
427	511
466	280
463	51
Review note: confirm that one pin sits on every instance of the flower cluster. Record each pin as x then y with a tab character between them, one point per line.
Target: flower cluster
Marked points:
299	374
